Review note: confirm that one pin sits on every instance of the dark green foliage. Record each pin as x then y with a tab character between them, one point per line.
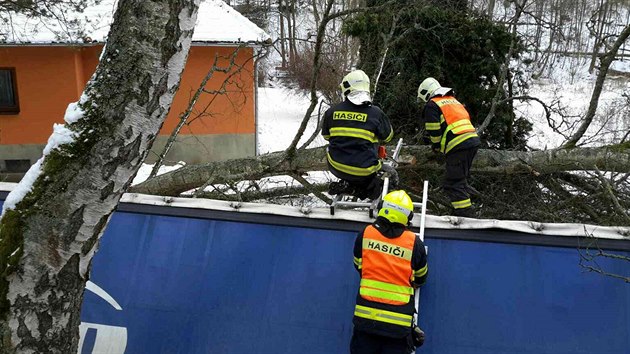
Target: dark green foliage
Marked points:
462	50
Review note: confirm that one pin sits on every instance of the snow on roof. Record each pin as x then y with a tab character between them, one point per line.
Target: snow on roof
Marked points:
432	221
217	22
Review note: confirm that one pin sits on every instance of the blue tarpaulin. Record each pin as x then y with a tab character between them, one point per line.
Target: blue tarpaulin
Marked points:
203	285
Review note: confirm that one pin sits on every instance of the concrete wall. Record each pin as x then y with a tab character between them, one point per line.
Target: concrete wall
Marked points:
204	148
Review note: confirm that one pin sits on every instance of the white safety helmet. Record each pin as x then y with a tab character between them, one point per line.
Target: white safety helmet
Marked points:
430	87
356	87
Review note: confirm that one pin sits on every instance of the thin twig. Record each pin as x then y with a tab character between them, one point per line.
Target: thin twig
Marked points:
311	188
609	190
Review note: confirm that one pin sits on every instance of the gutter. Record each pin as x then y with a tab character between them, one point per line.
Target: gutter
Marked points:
249	44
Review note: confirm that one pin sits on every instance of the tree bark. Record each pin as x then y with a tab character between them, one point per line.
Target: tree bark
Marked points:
49	235
611	158
321	32
606	61
283	52
490	9
597	42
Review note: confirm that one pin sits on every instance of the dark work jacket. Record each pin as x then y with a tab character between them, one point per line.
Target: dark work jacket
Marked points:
418	262
354	133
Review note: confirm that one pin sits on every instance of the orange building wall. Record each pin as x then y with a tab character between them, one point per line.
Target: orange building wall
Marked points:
46	84
51	77
233	115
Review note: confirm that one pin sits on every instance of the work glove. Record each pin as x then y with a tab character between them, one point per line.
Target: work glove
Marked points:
437	156
417	336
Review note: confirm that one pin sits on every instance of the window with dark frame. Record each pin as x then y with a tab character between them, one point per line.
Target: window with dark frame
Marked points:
9	103
15	166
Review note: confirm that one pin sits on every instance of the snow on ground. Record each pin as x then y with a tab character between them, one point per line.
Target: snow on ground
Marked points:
571	86
567	87
145	171
565	82
280	114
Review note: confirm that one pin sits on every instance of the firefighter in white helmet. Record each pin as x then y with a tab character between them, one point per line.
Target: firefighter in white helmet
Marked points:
448	124
354	129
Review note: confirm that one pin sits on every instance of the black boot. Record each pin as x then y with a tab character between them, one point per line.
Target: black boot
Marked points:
465	212
472	191
374	189
339	187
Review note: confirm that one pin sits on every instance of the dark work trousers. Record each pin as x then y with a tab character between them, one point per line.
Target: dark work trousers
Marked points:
367	343
368	188
361	186
455	185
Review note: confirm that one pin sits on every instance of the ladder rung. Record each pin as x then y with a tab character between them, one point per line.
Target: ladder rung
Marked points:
353	204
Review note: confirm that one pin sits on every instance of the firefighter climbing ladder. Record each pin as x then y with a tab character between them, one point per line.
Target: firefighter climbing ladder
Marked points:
339	201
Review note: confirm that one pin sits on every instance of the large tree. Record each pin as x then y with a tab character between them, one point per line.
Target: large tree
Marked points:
52	221
587	185
411	40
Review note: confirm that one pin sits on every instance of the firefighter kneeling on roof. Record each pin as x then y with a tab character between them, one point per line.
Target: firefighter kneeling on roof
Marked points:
392	263
354	128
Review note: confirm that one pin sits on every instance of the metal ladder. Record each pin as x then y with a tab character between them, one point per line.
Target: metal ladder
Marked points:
420	235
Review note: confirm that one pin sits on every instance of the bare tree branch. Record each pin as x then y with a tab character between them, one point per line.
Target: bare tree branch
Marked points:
183	117
589	259
321	30
327	16
609	190
505	67
606	61
311	188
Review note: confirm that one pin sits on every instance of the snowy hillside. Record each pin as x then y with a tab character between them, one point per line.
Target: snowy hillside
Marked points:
561	81
565	85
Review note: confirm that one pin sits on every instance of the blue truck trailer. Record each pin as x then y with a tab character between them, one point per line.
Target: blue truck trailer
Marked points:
177	275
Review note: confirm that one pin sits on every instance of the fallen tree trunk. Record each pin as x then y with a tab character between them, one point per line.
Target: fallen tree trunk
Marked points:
610	158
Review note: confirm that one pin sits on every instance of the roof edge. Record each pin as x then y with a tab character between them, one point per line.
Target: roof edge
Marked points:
91	44
620	233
